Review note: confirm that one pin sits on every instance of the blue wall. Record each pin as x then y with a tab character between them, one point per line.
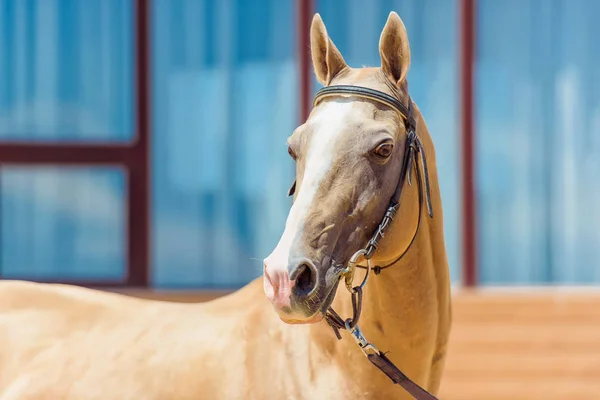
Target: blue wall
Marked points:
65	74
66	69
225	98
538	141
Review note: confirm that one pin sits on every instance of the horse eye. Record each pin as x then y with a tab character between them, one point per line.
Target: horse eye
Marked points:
291	152
384	150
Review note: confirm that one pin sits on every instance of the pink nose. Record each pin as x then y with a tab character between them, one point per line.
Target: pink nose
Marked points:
287	290
278	287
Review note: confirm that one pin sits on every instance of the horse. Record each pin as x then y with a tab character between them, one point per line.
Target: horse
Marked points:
273	338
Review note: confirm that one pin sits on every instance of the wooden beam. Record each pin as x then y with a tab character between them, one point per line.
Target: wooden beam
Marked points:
139	169
305	9
469	206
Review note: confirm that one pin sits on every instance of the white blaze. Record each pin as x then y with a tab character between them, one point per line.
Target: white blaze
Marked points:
329	124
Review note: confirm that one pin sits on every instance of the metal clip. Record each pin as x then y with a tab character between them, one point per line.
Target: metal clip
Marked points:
366	347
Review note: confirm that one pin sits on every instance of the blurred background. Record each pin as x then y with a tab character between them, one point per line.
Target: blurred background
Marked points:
143	145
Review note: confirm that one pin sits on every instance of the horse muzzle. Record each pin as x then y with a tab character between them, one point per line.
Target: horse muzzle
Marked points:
301	296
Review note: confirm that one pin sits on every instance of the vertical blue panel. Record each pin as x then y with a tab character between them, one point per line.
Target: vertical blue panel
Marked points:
225	101
355	28
66	69
62	223
538	143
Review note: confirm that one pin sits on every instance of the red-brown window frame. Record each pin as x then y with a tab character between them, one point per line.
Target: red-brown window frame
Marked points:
467	46
132	156
135	156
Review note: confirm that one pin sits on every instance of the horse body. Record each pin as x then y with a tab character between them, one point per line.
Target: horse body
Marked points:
71	343
65	342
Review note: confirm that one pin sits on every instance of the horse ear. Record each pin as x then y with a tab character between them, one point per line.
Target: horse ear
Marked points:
327	59
394	49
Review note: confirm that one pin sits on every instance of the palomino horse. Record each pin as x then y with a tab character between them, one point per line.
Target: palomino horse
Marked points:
66	342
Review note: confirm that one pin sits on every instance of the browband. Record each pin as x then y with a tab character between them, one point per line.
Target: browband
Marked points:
372	94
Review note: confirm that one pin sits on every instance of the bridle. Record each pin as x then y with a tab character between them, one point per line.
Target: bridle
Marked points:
413	149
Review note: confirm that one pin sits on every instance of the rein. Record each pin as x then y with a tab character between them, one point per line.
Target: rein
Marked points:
413	149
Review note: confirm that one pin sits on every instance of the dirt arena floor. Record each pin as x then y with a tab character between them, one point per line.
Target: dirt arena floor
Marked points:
513	344
524	345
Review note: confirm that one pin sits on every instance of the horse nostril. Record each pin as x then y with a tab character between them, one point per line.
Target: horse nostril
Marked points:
306	280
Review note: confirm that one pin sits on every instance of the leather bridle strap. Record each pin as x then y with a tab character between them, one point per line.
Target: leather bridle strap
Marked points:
371	94
413	149
387	367
379	359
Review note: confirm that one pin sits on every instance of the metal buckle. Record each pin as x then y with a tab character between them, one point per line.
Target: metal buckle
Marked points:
362	342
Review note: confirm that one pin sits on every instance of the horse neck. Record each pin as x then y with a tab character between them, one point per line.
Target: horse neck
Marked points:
399	305
401	301
412	295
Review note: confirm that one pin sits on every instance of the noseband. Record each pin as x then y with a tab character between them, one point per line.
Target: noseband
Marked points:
413	149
